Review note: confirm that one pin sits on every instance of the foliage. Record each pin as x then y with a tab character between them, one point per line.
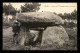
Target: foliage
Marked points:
69	25
30	7
72	15
9	9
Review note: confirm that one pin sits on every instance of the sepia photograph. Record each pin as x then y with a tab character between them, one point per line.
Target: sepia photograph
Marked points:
39	26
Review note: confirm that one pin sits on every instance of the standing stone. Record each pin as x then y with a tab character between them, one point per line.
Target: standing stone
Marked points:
22	36
54	35
25	35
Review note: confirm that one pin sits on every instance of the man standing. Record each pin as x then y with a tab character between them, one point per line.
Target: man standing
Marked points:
16	31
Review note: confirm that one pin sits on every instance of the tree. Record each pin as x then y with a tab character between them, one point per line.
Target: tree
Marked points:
30	7
74	14
5	9
54	13
60	14
68	16
9	9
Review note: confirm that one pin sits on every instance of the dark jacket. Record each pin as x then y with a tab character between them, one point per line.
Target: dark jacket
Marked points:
16	28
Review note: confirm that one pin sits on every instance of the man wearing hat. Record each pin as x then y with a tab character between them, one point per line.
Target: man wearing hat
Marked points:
16	31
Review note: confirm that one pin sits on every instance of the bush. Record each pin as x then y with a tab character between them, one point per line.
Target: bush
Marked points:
69	24
6	25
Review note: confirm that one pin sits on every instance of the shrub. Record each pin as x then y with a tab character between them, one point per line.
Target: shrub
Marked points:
5	24
69	24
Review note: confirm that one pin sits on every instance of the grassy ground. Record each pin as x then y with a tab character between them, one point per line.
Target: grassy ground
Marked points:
70	45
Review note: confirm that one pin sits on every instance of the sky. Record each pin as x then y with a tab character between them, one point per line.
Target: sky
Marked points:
52	7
